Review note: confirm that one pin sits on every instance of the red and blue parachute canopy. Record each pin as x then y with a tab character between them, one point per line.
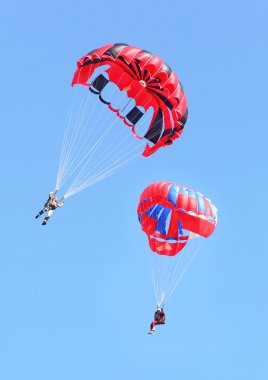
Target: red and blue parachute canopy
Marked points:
170	214
146	79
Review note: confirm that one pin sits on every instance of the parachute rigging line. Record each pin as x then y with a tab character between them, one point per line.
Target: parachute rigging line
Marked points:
167	272
77	156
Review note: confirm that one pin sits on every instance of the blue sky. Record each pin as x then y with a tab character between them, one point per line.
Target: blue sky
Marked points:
76	296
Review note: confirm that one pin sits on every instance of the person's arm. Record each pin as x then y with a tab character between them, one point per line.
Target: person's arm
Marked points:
60	204
50	194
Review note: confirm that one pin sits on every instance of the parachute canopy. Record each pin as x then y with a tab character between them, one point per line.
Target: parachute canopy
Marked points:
141	91
146	79
171	214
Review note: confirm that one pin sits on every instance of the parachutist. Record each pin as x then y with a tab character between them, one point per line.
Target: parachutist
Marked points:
159	319
50	205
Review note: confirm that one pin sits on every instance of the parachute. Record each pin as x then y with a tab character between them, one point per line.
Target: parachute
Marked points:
145	95
146	79
175	218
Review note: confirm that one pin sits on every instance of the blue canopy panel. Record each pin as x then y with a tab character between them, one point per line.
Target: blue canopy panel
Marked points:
154	211
200	203
191	193
173	193
163	221
163	217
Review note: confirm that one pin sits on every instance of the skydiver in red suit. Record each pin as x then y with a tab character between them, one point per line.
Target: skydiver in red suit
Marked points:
159	319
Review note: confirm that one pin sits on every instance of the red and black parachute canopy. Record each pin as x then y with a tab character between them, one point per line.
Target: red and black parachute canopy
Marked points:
145	78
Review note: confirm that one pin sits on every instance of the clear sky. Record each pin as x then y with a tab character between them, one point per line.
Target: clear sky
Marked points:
76	296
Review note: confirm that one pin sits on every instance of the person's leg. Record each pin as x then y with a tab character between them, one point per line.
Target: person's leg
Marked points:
152	327
41	212
49	213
